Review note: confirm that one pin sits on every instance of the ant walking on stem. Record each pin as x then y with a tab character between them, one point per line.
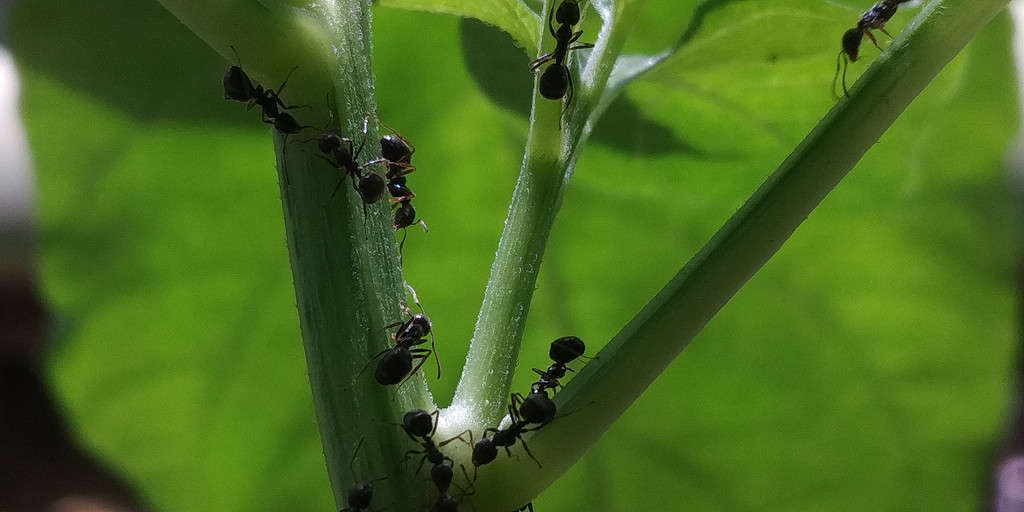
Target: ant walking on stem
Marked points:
360	494
874	18
556	79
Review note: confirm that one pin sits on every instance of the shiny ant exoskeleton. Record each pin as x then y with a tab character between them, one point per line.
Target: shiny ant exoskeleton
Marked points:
486	449
396	363
239	87
421	426
874	18
563	351
360	494
369	185
556	80
398	151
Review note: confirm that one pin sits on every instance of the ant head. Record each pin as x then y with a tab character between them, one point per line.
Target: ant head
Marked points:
394	149
421	323
371	187
418	422
360	496
566	349
445	503
568	13
484	451
237	85
405	216
851	42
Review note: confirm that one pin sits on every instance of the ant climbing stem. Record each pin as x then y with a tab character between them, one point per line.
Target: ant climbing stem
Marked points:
360	494
874	18
556	81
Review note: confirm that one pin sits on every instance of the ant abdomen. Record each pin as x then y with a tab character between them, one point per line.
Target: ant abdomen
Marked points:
554	82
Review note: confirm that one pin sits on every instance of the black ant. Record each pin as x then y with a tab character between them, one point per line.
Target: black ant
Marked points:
398	151
536	407
369	185
563	351
421	427
874	18
486	449
239	87
556	80
360	494
528	506
396	364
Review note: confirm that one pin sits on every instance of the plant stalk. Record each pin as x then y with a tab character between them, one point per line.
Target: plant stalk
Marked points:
609	384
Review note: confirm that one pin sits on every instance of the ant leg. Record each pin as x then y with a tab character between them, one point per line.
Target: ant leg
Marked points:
459	437
581	46
551	27
433	348
846	64
490	429
372	359
886	32
284	160
418	353
568	101
366	129
872	38
352	463
527	448
420	467
539	61
437	418
835	77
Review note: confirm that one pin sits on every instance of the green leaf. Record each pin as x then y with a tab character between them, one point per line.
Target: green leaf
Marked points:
872	353
513	16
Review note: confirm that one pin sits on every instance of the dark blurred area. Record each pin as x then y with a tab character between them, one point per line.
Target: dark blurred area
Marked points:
42	466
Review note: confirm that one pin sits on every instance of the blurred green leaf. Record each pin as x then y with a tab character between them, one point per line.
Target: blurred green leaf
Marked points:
513	16
865	367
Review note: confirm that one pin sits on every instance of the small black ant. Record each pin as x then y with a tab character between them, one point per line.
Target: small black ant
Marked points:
556	80
563	351
396	364
398	151
486	449
360	494
370	185
874	18
536	407
421	426
239	87
528	506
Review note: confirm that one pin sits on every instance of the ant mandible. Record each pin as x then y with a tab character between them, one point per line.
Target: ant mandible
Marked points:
360	494
874	18
556	80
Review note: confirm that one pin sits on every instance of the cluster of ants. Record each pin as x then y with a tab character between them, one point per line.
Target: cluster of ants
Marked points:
340	152
874	18
527	414
396	364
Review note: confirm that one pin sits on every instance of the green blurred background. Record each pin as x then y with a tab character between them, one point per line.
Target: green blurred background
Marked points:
866	367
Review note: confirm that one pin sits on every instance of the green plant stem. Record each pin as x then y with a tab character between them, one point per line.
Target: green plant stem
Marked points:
344	259
551	152
606	386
